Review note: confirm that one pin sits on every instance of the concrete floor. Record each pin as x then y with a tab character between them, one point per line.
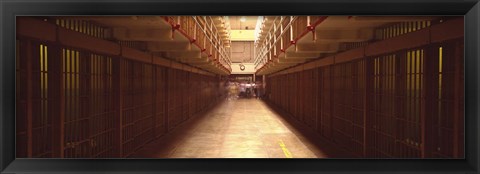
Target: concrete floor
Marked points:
243	128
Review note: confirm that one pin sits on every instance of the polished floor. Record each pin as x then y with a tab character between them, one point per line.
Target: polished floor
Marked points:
240	128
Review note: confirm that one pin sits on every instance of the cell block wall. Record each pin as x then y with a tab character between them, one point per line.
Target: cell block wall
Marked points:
78	101
403	103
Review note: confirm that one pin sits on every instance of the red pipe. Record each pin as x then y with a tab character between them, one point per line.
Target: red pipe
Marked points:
310	28
177	27
192	40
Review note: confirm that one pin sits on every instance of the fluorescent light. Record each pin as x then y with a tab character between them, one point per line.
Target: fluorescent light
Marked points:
243	19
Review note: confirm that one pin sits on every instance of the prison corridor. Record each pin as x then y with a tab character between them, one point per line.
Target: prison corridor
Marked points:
239	87
243	128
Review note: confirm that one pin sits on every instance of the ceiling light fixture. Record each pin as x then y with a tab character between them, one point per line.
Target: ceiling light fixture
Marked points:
243	19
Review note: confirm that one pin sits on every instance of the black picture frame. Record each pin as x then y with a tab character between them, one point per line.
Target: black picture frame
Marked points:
9	9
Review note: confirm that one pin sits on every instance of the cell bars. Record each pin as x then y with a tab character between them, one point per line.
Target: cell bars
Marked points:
404	104
35	97
73	103
137	109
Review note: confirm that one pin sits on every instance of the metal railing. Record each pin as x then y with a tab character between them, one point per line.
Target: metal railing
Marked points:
203	32
281	33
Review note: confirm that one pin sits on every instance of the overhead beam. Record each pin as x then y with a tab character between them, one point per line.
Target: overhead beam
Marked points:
168	46
142	34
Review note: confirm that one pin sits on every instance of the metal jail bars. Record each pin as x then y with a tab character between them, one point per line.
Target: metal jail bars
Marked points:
89	89
75	100
398	97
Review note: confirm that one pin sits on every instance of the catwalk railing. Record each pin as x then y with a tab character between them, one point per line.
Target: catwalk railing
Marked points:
401	97
279	33
81	96
201	31
204	33
283	32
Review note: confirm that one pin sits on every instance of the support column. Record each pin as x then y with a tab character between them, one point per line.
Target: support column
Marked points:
399	98
27	46
58	117
429	94
118	73
366	105
458	116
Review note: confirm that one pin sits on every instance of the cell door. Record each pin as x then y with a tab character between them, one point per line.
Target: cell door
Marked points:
160	102
34	103
102	107
88	105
